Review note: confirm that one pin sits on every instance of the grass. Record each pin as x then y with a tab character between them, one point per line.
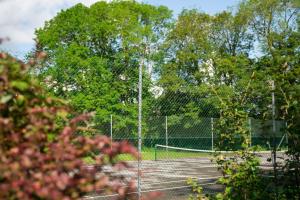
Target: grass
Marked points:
149	154
162	154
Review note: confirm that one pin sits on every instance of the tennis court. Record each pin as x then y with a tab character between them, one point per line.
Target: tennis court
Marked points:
169	175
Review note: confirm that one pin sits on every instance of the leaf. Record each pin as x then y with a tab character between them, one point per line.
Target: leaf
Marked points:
20	85
20	100
6	98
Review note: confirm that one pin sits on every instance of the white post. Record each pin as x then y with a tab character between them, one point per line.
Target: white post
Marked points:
140	85
274	138
166	125
212	133
273	123
111	130
250	132
273	112
283	137
287	137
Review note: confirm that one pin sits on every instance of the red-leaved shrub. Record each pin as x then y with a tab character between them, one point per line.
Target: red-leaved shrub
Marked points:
43	159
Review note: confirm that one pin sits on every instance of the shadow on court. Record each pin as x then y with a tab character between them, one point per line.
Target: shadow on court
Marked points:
169	177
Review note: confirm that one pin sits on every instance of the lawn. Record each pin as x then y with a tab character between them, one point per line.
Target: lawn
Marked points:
149	154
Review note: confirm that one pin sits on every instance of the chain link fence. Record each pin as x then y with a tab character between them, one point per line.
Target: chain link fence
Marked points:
166	170
184	117
160	83
186	132
179	132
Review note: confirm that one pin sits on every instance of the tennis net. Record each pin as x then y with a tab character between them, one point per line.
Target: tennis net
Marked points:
163	152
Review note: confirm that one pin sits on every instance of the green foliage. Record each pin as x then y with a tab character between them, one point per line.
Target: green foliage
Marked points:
242	177
273	23
207	65
201	51
94	54
40	159
197	190
241	174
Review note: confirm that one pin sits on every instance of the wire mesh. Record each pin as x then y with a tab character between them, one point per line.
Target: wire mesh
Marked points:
183	117
182	70
166	169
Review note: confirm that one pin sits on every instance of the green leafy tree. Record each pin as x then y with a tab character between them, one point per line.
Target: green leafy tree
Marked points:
42	159
201	51
241	174
206	53
274	25
94	54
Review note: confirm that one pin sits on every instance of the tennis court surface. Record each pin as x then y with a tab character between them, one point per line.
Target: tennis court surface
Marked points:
169	175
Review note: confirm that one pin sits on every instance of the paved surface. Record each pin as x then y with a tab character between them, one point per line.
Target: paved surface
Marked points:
170	177
161	174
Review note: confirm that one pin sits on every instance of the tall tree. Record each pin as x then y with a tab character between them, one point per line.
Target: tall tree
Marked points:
94	55
276	26
201	51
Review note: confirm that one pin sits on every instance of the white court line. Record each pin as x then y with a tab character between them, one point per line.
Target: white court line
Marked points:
181	168
159	189
178	181
210	171
177	175
163	173
266	167
174	175
174	161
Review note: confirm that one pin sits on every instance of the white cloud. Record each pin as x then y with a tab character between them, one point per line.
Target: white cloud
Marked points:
19	19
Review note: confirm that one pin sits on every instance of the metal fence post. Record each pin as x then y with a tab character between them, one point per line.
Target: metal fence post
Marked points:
111	130
274	138
250	132
273	125
281	140
155	152
166	129
273	114
140	85
212	133
287	137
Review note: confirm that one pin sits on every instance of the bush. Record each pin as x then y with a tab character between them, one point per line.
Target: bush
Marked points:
40	159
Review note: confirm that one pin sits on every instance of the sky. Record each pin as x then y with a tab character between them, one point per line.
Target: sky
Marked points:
19	18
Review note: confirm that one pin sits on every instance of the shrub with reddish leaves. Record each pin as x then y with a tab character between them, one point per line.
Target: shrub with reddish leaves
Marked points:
40	159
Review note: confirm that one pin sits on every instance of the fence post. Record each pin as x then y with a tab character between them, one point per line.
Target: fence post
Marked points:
279	145
250	132
274	138
140	90
212	133
111	130
287	137
274	129
166	130
155	152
